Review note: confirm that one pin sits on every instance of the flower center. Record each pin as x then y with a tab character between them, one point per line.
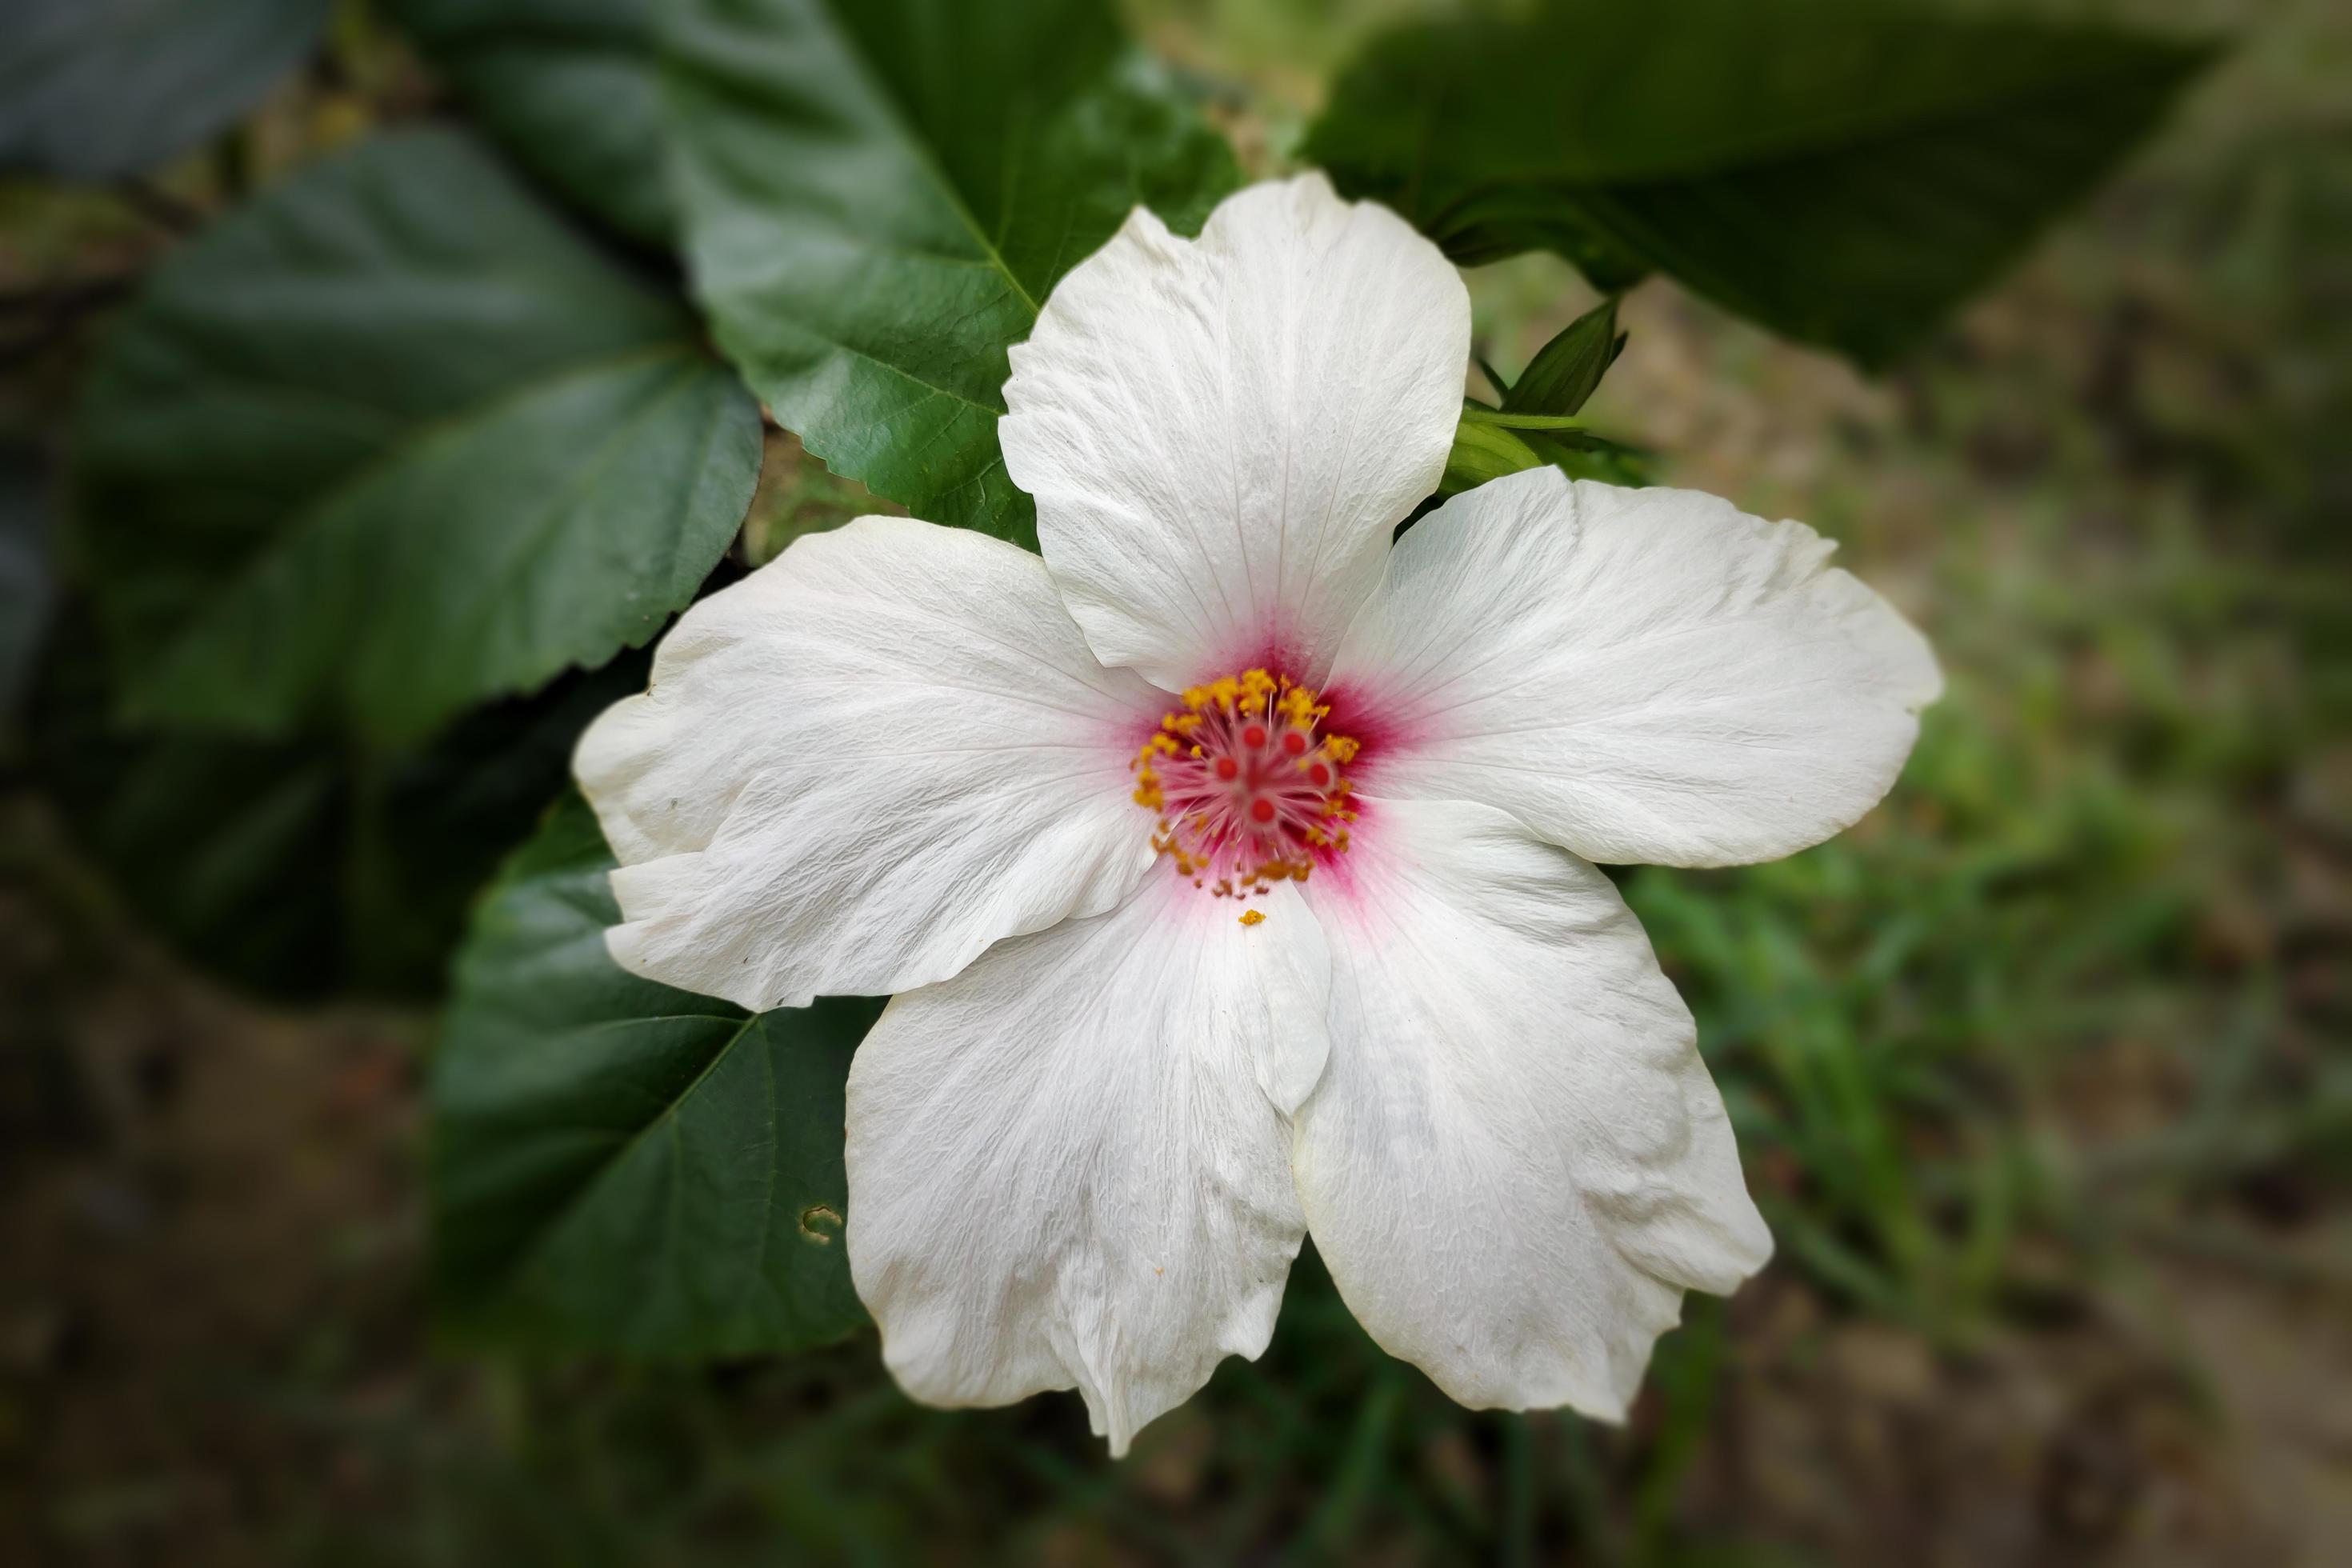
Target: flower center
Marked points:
1247	790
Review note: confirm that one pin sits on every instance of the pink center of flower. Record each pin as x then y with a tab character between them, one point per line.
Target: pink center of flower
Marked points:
1246	790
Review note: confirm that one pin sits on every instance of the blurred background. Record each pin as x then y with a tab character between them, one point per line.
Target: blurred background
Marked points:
2041	1071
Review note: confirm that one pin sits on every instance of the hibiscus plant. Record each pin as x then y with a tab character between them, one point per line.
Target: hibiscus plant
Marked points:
1211	761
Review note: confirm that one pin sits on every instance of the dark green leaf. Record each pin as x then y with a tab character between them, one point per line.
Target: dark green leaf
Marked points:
25	584
393	439
1844	174
95	90
620	1166
304	870
570	87
1566	370
877	193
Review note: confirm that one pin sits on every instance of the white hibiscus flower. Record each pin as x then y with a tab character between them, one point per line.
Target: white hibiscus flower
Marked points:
1233	870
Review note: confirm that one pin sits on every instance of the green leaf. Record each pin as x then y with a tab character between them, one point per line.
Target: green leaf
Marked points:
1483	452
305	869
96	89
1566	370
1844	174
571	88
1503	419
877	193
1491	442
1581	455
623	1167
390	440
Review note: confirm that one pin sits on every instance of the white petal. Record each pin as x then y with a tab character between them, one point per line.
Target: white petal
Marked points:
862	764
1639	675
1063	1168
1515	1160
1222	433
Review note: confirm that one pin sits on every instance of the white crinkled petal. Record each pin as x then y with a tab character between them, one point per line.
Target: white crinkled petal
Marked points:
1515	1162
1064	1167
862	764
1222	434
1645	675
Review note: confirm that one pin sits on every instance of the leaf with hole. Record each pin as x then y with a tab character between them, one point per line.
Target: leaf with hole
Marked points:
876	195
390	440
623	1166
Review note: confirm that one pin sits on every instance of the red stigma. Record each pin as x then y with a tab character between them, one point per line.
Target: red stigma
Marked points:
1246	787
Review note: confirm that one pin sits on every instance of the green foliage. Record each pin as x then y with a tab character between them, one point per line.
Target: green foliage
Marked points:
1843	174
623	1165
94	89
878	195
1492	442
1538	423
1566	370
306	867
390	440
1482	452
570	87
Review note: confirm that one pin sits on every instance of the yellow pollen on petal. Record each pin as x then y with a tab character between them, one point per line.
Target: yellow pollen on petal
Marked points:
1253	917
